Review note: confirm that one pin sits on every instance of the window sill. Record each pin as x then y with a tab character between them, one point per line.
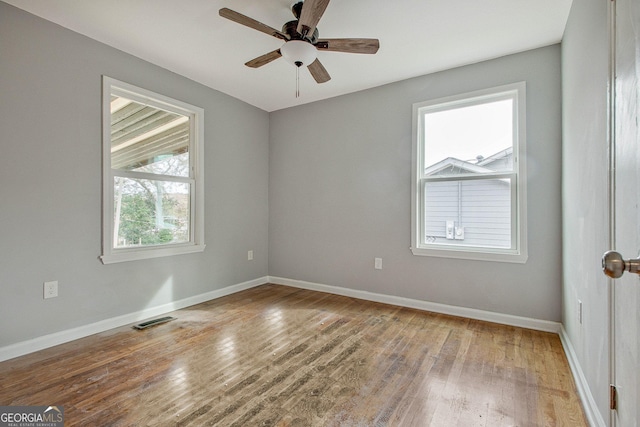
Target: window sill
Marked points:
148	253
473	254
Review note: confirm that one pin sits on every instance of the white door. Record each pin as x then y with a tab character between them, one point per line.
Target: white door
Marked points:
625	312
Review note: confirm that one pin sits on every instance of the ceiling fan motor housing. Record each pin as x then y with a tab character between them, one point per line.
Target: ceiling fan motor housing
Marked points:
290	29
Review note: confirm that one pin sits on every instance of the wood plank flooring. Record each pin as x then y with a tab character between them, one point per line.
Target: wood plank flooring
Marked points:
280	356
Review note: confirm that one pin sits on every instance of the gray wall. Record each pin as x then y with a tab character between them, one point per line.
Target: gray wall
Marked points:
339	193
50	192
585	218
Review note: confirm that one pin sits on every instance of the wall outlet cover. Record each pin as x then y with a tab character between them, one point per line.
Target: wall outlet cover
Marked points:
51	289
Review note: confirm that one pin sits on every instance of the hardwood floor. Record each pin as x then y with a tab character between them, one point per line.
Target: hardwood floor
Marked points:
280	356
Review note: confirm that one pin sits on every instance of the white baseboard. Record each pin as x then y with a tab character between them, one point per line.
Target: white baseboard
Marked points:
505	319
594	417
46	341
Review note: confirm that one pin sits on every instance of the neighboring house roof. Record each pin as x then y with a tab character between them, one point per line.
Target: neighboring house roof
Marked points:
494	161
453	166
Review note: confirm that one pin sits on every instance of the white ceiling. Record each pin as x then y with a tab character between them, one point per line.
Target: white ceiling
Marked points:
417	37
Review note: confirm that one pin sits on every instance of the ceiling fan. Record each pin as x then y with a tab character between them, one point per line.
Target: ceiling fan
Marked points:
301	39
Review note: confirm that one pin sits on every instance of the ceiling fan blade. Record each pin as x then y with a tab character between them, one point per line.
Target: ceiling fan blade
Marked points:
264	59
318	72
251	23
312	11
349	45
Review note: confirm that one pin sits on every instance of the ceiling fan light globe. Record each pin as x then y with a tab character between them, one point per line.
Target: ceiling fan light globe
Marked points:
299	51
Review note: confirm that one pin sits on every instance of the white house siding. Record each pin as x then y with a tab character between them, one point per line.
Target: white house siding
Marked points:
441	205
483	209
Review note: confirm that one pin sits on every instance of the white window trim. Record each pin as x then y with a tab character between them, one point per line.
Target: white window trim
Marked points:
517	254
196	148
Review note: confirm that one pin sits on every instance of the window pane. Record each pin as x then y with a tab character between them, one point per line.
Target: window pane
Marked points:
468	138
150	212
475	213
148	139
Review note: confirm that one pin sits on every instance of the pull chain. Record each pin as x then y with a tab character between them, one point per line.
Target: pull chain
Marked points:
298	65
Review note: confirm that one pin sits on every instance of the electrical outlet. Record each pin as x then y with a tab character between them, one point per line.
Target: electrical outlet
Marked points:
450	230
250	256
51	289
377	264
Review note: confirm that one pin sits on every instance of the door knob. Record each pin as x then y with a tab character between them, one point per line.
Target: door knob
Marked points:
614	265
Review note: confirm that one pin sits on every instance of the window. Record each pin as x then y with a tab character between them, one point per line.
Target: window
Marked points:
152	174
469	176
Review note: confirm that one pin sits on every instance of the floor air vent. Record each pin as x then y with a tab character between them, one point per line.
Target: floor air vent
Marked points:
153	322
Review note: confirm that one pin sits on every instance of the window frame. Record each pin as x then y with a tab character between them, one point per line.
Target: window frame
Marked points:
517	253
111	254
